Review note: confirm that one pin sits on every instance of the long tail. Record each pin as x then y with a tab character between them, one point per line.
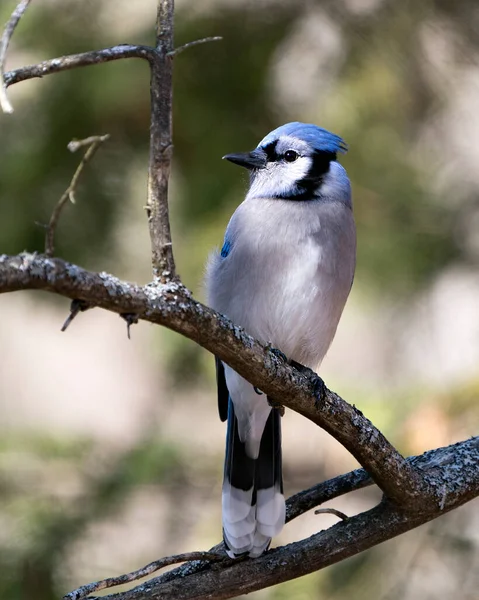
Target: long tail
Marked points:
253	501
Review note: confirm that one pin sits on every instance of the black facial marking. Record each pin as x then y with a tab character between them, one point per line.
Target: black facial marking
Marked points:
300	193
320	164
319	167
270	150
306	187
271	156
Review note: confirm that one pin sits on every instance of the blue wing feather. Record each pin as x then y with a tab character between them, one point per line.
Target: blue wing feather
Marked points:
226	249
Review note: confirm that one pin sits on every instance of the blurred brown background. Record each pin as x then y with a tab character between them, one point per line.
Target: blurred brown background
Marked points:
111	450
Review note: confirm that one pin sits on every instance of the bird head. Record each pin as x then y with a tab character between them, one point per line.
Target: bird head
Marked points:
294	162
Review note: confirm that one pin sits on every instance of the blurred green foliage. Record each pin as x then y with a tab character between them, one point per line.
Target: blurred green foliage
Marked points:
31	561
223	103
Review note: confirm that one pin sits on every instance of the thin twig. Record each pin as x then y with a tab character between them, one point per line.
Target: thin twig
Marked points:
75	145
331	511
180	49
4	43
72	61
94	143
95	586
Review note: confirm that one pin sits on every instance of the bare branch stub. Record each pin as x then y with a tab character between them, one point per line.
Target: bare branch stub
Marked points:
161	145
76	306
331	511
4	43
93	144
131	319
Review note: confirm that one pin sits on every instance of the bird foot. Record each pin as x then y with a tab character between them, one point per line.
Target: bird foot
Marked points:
319	387
277	353
276	405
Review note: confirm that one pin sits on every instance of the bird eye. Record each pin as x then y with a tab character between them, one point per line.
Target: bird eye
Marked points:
290	155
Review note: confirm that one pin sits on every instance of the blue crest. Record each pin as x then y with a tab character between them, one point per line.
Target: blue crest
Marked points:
320	139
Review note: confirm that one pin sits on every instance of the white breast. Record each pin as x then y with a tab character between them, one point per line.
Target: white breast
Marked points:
288	273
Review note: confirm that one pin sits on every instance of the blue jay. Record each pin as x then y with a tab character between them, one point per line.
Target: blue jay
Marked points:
284	274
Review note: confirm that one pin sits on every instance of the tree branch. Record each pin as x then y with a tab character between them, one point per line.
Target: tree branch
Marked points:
300	503
227	579
172	306
416	490
161	144
306	500
160	58
73	61
161	66
4	43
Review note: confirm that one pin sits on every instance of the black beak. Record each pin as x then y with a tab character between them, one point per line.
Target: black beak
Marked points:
256	159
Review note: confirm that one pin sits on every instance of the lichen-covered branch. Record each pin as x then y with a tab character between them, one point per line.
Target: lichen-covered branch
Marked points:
302	502
453	470
172	306
355	480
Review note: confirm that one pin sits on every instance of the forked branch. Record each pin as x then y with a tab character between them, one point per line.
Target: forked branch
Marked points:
93	144
156	565
205	578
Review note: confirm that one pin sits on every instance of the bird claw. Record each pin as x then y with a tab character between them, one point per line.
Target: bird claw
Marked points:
278	353
276	405
319	387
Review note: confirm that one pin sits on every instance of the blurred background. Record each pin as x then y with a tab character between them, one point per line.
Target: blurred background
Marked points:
111	450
